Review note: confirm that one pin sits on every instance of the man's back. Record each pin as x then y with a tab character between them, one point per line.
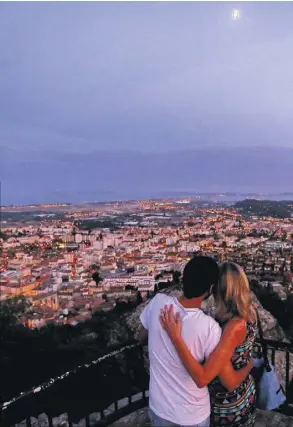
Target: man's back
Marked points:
173	394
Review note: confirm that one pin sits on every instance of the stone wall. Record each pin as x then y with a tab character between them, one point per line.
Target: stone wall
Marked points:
263	419
140	418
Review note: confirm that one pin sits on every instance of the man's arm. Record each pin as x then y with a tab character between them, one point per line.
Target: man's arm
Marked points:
233	335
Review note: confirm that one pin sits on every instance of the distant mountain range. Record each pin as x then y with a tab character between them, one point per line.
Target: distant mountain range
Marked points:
50	176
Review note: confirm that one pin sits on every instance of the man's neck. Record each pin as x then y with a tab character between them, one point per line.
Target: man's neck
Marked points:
191	302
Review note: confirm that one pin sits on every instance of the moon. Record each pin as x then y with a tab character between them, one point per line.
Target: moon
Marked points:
236	14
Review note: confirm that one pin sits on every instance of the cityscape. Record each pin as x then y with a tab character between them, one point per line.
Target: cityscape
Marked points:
75	260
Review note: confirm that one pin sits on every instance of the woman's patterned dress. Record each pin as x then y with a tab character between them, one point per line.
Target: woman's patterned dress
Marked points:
236	408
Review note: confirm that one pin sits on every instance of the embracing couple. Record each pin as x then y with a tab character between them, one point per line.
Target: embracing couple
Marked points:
200	364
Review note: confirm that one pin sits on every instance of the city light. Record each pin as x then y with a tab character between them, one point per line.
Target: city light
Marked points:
57	263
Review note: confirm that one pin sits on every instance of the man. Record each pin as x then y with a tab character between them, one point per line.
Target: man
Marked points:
174	398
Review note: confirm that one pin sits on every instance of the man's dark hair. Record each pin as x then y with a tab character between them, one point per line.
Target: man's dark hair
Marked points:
199	274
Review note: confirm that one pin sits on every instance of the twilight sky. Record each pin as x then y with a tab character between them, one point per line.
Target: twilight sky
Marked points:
121	100
145	76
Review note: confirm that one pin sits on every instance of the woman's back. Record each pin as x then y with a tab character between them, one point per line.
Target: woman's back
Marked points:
243	352
236	406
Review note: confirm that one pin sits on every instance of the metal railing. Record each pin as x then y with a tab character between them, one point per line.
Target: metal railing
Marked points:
99	392
280	356
284	348
107	389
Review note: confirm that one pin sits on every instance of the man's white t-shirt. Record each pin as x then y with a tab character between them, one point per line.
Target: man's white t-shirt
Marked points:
173	395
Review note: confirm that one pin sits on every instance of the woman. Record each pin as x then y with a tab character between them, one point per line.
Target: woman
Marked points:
237	317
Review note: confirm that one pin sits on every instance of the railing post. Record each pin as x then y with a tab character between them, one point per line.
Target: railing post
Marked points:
142	362
102	412
287	371
70	424
128	354
50	420
273	356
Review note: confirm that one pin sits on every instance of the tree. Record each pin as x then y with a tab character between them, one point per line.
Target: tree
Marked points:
95	267
139	298
11	253
129	288
97	278
12	311
176	277
56	241
164	285
3	236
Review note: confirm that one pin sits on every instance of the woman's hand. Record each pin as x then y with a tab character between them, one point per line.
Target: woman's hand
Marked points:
171	323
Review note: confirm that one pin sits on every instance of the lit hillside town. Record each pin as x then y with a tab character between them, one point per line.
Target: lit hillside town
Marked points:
70	261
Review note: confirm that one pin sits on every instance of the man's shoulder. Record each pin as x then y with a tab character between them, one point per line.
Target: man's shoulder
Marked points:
207	322
162	296
210	320
153	308
162	299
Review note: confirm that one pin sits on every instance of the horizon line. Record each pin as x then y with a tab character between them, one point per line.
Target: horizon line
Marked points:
246	196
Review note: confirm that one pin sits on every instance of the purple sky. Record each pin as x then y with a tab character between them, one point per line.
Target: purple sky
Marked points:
83	77
89	76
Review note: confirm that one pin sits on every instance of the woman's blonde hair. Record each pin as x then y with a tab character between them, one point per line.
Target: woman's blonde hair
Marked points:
233	295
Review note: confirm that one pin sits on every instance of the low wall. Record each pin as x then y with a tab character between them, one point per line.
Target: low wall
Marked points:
264	419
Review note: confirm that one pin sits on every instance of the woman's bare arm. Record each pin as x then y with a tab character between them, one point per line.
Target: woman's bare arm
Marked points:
233	335
231	379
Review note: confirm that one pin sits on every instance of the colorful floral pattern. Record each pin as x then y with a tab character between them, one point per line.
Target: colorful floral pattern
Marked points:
236	408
